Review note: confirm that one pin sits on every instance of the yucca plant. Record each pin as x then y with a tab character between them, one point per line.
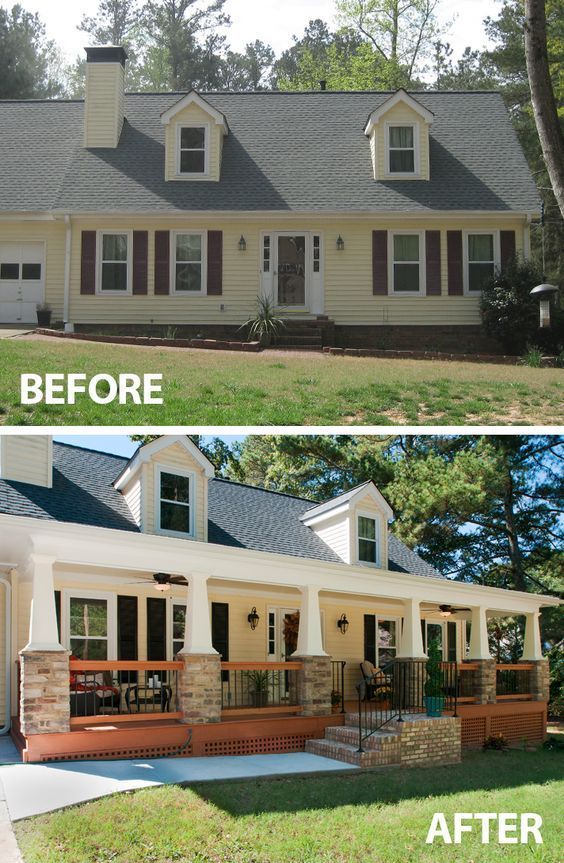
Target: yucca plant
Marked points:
266	322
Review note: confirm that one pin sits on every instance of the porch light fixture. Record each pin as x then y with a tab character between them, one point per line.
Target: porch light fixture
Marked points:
445	610
544	294
162	581
242	244
253	617
343	623
340	244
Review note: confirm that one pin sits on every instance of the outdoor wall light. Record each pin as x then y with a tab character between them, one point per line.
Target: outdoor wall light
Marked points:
242	244
340	243
544	293
253	617
343	623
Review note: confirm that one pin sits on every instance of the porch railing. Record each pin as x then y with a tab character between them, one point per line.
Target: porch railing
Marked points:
338	684
261	686
513	681
122	690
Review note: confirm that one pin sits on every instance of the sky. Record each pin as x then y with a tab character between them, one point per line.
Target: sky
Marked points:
272	21
119	444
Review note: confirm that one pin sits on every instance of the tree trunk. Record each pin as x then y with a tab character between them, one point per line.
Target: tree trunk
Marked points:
544	105
395	32
512	533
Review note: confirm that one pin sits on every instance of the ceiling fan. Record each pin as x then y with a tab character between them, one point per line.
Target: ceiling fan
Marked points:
447	610
163	580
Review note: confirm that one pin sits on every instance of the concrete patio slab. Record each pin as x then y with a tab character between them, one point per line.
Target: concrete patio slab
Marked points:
32	789
11	331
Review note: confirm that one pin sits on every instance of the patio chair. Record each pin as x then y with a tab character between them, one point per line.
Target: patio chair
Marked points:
374	681
94	697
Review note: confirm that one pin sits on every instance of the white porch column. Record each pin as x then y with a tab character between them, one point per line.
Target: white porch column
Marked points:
479	645
411	641
532	648
43	635
310	642
198	635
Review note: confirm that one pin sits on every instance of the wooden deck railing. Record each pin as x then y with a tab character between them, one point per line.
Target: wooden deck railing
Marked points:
265	687
118	690
513	681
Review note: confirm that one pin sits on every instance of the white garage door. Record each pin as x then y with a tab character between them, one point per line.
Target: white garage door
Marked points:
21	281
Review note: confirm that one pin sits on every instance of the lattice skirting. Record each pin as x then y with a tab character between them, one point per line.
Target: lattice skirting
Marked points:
515	727
110	755
258	745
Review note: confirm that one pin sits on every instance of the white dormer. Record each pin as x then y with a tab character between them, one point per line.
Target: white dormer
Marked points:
354	525
194	132
399	139
165	485
27	458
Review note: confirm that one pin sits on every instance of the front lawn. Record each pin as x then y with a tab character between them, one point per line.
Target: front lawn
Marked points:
223	388
378	817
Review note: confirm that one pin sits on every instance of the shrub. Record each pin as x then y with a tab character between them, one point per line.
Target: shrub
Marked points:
511	315
496	741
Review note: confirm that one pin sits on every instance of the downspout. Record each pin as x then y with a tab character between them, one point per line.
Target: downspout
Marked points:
69	327
8	646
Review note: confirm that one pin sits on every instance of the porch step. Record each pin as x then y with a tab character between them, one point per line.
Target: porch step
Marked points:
303	333
341	744
347	734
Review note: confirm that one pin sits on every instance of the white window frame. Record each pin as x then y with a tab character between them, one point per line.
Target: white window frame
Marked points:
397	621
422	264
175	471
186	175
416	154
99	263
279	611
77	593
466	261
204	289
375	517
174	600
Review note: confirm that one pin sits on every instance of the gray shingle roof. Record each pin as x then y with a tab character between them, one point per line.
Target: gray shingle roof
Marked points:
239	516
284	152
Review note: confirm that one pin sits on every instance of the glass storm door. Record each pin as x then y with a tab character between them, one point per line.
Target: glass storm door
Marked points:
291	270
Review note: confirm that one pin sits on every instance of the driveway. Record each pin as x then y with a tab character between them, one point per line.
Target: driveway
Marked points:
12	331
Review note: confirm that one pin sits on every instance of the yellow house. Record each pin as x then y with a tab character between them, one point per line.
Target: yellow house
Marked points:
371	218
145	596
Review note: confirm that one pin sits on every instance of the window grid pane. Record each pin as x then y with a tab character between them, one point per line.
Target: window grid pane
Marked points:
401	137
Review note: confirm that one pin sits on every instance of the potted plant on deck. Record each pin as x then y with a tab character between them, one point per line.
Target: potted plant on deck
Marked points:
43	311
434	698
266	323
258	687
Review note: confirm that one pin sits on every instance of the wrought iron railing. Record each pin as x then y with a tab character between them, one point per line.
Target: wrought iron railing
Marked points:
338	684
259	685
513	681
128	689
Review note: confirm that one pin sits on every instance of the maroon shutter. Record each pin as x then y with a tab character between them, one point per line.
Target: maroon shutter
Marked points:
433	262
507	247
454	252
215	263
140	261
88	263
379	262
162	262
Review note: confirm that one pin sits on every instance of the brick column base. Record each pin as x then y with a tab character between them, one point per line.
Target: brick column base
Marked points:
539	680
44	692
199	687
425	741
484	681
314	685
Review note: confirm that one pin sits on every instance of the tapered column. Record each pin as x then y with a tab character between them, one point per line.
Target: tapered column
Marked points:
43	630
484	677
313	681
532	647
479	645
199	681
198	635
411	641
310	642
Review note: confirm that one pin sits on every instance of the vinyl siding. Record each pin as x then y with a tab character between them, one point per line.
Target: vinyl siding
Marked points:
336	534
193	115
53	235
132	495
3	682
400	114
27	458
104	104
174	457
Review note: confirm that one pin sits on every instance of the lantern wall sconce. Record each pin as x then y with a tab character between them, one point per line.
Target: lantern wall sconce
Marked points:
343	623
253	617
242	244
544	293
340	244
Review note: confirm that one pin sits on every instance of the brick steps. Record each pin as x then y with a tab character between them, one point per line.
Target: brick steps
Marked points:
307	333
341	743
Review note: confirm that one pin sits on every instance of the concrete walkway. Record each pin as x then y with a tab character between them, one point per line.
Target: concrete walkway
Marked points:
9	851
11	331
8	752
31	789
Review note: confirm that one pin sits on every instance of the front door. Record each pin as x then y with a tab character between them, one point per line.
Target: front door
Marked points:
21	282
291	270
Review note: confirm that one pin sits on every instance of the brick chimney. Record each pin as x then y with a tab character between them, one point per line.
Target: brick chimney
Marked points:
104	100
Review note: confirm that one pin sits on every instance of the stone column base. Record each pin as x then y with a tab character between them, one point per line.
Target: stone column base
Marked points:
314	685
484	681
44	692
539	679
199	687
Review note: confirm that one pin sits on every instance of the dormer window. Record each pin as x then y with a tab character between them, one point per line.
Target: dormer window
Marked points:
193	149
368	540
174	504
401	150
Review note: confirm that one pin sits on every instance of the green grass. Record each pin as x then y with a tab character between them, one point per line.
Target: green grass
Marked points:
378	817
221	388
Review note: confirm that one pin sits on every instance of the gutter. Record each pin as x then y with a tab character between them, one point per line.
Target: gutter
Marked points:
66	304
8	647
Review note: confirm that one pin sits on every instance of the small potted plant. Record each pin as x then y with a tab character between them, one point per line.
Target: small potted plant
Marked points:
335	701
258	687
265	324
44	312
434	698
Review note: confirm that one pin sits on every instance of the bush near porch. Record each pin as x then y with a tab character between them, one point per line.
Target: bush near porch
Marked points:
381	817
222	388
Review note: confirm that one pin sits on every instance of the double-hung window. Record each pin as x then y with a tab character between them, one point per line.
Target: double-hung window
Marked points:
406	264
89	624
401	149
174	502
481	260
189	263
368	540
387	645
178	626
114	253
192	150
